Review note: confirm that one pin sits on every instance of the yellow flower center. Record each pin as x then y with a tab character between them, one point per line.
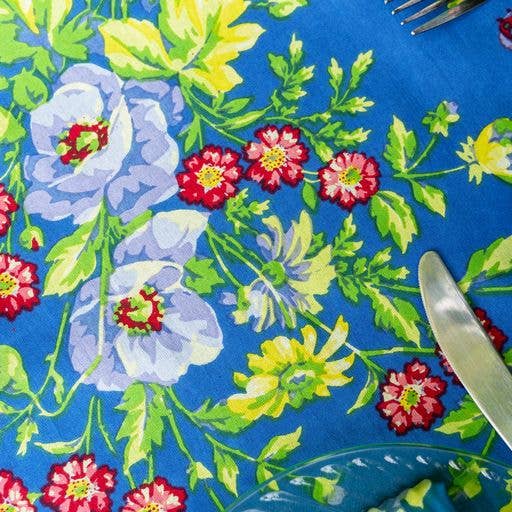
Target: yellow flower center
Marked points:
151	507
409	398
350	177
8	285
79	488
273	158
209	176
6	507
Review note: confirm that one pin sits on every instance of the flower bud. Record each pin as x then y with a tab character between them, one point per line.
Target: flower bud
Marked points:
32	238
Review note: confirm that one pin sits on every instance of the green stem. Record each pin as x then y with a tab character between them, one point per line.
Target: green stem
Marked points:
425	153
435	174
220	260
106	270
88	426
151	467
124	9
102	428
493	289
489	443
309	180
113	9
400	288
398	350
128	474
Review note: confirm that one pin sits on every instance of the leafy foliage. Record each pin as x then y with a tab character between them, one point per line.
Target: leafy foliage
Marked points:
203	276
467	421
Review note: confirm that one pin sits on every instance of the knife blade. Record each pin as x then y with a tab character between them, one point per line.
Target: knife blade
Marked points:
465	344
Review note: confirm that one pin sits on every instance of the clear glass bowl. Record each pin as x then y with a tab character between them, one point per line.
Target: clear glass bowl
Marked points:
360	478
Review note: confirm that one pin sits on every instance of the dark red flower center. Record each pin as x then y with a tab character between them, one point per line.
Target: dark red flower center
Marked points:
210	176
79	488
409	398
8	285
141	313
273	158
350	176
82	140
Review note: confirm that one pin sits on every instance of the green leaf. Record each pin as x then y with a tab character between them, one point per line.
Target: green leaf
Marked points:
466	478
25	10
26	430
62	447
12	50
310	196
467	421
323	150
73	260
360	67
227	470
43	63
198	471
241	213
439	120
234	106
492	261
28	90
69	40
135	49
355	105
324	488
278	65
13	377
142	425
204	276
396	314
335	74
394	217
10	128
432	197
401	145
367	392
192	134
4	83
349	139
263	474
279	447
221	418
318	242
236	123
283	8
344	246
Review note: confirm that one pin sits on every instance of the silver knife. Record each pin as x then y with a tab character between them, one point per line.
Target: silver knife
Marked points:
466	346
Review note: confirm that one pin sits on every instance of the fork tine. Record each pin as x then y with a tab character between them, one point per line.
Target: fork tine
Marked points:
405	5
448	15
429	8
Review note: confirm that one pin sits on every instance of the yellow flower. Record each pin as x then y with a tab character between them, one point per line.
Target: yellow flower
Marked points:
491	152
290	372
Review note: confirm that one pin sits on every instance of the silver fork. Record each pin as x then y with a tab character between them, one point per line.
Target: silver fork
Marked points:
441	19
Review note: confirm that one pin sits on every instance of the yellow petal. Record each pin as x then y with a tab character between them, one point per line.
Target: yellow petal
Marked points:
25	10
278	350
310	337
336	339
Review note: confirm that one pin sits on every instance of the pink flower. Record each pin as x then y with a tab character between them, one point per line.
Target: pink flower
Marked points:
410	399
278	156
348	179
79	485
157	496
13	494
8	205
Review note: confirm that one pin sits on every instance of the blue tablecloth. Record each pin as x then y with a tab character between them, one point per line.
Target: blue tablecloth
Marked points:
211	218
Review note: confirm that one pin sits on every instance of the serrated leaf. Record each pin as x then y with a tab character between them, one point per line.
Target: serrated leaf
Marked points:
69	40
241	213
73	260
432	197
28	90
360	68
135	49
11	129
347	286
492	261
396	314
310	196
467	421
355	105
192	134
344	246
26	431
439	120
394	217
13	377
43	63
204	276
335	74
401	146
349	139
220	417
12	50
367	392
279	447
227	470
142	426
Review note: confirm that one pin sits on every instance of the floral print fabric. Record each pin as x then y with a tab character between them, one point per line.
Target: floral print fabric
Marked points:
211	214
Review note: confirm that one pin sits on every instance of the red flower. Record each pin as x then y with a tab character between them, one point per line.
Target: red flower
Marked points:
7	205
79	485
497	336
13	494
210	177
349	178
278	156
17	292
158	496
410	399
